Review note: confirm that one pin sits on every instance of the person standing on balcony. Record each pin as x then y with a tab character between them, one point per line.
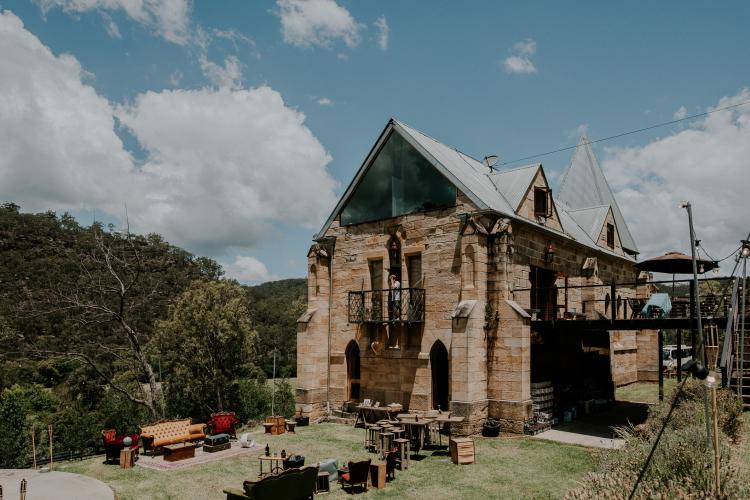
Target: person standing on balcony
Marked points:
394	298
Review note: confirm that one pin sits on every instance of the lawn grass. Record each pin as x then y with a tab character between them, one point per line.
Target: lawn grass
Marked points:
645	392
508	467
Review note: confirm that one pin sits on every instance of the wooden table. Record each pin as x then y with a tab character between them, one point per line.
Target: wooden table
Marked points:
276	464
181	451
416	429
441	420
371	414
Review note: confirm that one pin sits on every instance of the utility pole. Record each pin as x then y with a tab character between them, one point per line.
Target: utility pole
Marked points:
701	352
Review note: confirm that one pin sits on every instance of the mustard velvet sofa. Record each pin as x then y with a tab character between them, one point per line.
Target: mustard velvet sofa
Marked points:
166	432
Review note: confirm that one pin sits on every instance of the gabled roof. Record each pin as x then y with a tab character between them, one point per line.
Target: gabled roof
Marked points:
591	219
584	186
469	173
501	191
513	184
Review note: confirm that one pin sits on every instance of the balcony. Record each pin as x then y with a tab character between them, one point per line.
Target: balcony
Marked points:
405	305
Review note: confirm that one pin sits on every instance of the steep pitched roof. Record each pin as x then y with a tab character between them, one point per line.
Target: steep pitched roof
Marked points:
584	186
467	173
591	219
513	184
501	191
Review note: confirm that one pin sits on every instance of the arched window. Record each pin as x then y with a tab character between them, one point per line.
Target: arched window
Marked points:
439	368
352	371
607	301
469	267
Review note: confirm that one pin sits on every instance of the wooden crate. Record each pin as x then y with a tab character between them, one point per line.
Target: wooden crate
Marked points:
278	425
462	450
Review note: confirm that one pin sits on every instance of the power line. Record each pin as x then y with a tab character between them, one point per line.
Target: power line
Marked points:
623	134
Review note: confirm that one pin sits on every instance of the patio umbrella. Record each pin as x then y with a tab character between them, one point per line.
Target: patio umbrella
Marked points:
675	263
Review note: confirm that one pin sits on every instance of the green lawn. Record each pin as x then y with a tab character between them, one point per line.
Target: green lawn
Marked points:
509	467
645	392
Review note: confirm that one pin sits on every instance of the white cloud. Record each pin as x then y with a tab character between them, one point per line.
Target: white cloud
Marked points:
111	26
680	113
383	31
223	165
305	23
519	60
227	76
58	147
170	19
248	269
705	164
324	101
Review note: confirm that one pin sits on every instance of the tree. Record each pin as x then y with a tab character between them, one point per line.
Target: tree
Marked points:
207	343
91	296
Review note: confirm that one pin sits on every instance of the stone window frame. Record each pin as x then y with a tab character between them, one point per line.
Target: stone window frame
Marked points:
469	267
610	235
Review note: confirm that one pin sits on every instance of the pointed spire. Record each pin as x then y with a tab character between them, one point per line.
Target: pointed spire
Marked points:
584	186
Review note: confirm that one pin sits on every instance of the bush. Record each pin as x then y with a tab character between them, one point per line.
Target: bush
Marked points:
253	399
15	440
681	467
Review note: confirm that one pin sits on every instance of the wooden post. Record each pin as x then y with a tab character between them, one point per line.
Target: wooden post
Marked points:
613	301
33	450
717	453
679	355
661	366
49	430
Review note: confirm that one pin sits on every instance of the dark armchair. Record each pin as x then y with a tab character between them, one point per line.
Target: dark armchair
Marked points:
223	423
390	464
356	474
114	443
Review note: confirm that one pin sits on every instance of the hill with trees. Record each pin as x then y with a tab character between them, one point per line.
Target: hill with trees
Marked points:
103	328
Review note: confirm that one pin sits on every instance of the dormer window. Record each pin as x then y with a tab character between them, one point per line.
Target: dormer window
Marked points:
610	235
542	202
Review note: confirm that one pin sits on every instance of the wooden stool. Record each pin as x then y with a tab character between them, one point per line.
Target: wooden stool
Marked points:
386	442
268	427
290	426
403	453
370	436
127	458
373	436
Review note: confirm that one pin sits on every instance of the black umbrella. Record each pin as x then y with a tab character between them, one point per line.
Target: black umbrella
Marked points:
675	263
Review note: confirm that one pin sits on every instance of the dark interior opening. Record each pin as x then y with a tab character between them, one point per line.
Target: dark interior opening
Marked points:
440	377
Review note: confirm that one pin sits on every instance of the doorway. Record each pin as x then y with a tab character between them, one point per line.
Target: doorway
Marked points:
352	371
543	292
440	376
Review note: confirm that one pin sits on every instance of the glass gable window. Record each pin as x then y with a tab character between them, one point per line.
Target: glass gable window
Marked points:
400	181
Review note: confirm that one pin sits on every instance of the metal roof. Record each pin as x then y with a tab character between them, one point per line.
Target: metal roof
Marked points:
590	219
502	191
584	186
513	184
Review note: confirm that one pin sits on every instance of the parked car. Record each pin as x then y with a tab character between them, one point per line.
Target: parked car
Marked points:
670	355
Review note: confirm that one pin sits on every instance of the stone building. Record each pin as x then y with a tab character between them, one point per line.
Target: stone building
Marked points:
481	255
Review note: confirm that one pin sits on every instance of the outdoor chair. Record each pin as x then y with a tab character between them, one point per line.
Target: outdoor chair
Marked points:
390	464
223	422
113	444
356	474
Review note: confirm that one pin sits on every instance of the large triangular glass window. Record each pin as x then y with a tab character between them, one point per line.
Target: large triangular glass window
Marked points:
399	181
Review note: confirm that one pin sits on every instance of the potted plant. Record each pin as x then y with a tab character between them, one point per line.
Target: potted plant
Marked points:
491	428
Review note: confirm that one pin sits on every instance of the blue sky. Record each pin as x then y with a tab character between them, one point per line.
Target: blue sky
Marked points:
302	89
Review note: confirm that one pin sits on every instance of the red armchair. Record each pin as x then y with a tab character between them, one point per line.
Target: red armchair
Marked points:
114	443
223	423
356	475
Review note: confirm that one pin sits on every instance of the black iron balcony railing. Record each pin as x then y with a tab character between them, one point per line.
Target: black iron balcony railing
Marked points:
403	305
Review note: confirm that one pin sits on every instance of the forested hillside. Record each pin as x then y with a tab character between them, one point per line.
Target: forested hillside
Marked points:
276	307
103	328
